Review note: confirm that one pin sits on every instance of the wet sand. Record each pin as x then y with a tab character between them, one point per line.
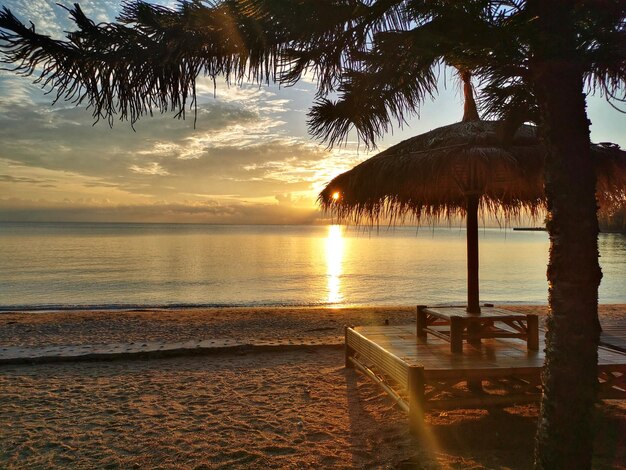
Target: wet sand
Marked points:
279	409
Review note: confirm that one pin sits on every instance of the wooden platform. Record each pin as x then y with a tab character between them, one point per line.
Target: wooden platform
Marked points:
421	375
614	334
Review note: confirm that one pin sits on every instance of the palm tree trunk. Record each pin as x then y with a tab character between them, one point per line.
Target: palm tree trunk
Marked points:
565	434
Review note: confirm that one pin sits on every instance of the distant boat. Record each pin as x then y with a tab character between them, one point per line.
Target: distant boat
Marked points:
531	229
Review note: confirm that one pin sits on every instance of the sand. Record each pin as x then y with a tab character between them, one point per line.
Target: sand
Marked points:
276	409
272	410
178	325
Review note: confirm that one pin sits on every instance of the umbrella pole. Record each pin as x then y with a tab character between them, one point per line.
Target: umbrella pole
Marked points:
473	304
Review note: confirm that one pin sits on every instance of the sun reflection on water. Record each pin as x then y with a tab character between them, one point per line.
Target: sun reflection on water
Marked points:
335	246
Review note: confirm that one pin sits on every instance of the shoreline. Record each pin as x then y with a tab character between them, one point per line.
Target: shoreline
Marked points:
52	308
93	335
77	327
176	325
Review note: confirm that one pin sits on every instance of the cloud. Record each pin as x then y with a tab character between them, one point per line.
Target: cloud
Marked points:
17	179
15	91
232	146
153	168
284	199
212	211
100	11
63	139
48	18
52	19
39	184
248	158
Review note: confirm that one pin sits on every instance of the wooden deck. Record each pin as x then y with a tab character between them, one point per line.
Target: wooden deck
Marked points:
423	374
614	334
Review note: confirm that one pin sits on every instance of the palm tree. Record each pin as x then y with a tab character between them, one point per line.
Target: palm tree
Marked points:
535	59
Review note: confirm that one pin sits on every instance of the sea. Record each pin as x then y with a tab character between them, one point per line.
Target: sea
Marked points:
113	266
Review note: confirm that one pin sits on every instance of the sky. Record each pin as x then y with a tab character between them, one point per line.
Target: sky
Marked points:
248	160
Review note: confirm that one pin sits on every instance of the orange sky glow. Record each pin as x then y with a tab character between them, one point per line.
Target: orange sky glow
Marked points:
249	159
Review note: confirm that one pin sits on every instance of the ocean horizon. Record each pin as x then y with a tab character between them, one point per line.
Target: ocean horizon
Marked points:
80	265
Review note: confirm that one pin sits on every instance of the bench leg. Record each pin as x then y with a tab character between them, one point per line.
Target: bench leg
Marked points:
421	322
456	334
532	329
473	333
416	399
349	351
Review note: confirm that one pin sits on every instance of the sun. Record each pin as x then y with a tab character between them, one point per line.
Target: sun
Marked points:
336	196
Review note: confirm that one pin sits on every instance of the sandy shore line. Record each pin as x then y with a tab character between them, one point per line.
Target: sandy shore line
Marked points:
280	409
180	325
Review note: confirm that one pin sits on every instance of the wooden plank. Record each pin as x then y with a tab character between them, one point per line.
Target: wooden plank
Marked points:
349	351
445	335
416	389
614	334
501	334
482	401
377	355
493	353
421	322
390	391
486	312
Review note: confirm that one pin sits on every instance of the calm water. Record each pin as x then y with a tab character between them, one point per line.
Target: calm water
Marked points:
115	265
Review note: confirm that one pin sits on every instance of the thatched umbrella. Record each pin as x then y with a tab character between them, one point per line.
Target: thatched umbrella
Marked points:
455	170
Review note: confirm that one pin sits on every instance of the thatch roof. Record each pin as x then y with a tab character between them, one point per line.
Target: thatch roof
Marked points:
430	175
610	163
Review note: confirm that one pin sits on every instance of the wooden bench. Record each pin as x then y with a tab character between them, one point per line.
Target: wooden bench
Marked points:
365	354
455	324
424	375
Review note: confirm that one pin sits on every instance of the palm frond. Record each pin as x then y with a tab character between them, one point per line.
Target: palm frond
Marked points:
116	70
150	59
510	101
370	106
381	56
392	78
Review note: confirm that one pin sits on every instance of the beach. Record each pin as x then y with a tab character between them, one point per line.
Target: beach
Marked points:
286	406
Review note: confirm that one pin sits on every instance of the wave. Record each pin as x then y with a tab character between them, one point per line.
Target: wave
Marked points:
167	306
183	305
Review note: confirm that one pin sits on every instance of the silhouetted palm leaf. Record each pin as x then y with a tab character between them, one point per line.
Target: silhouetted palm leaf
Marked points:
150	59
